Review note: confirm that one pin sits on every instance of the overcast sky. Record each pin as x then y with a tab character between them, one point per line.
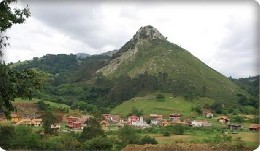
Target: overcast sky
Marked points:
223	35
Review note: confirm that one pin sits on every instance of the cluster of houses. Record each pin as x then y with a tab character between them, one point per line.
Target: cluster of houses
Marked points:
28	121
74	122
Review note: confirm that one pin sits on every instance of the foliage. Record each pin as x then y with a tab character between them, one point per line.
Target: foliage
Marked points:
173	129
136	112
237	119
160	97
219	139
128	135
10	17
148	140
98	143
15	84
7	132
197	109
93	129
18	137
48	120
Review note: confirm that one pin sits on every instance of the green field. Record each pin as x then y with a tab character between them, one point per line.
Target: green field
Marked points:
52	104
150	104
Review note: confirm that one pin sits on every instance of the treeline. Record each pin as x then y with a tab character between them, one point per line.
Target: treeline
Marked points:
65	68
104	92
92	138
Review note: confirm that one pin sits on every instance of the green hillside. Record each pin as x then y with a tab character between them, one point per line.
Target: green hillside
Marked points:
148	52
149	104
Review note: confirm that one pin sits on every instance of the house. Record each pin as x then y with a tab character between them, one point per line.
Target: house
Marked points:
36	122
199	123
165	123
209	115
175	117
137	121
155	118
234	126
254	127
30	122
112	118
133	119
15	118
104	124
24	121
223	119
76	122
55	126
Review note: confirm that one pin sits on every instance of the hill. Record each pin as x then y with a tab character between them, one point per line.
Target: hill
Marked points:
149	104
250	84
176	69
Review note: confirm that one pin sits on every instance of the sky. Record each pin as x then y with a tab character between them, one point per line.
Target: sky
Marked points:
221	34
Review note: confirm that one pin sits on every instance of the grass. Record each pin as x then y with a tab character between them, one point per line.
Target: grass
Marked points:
251	139
53	104
151	105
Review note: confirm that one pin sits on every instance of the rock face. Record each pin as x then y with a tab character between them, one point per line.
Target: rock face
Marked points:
148	32
127	53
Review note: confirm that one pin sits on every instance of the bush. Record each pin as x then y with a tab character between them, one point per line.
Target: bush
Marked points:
98	143
160	97
166	133
178	130
148	140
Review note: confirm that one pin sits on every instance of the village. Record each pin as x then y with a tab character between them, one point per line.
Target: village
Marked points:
111	122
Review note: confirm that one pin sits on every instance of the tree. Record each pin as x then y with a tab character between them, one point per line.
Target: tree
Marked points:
48	120
93	129
128	135
98	143
7	132
15	84
10	17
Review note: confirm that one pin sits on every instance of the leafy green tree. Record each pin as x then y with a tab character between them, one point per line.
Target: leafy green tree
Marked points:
197	109
25	138
128	135
98	143
237	119
7	133
15	84
12	83
48	120
10	17
93	129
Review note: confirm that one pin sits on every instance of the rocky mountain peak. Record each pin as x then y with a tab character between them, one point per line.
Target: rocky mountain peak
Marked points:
148	32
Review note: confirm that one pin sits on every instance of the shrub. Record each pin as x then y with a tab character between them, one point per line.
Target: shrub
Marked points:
166	133
160	97
148	140
98	143
178	130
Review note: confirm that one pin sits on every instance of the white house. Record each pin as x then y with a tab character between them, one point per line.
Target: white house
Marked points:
197	123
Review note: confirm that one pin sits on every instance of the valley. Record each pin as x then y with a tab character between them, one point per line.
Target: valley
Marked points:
150	91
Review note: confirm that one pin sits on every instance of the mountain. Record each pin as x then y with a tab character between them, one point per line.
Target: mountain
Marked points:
149	52
109	53
82	55
250	84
